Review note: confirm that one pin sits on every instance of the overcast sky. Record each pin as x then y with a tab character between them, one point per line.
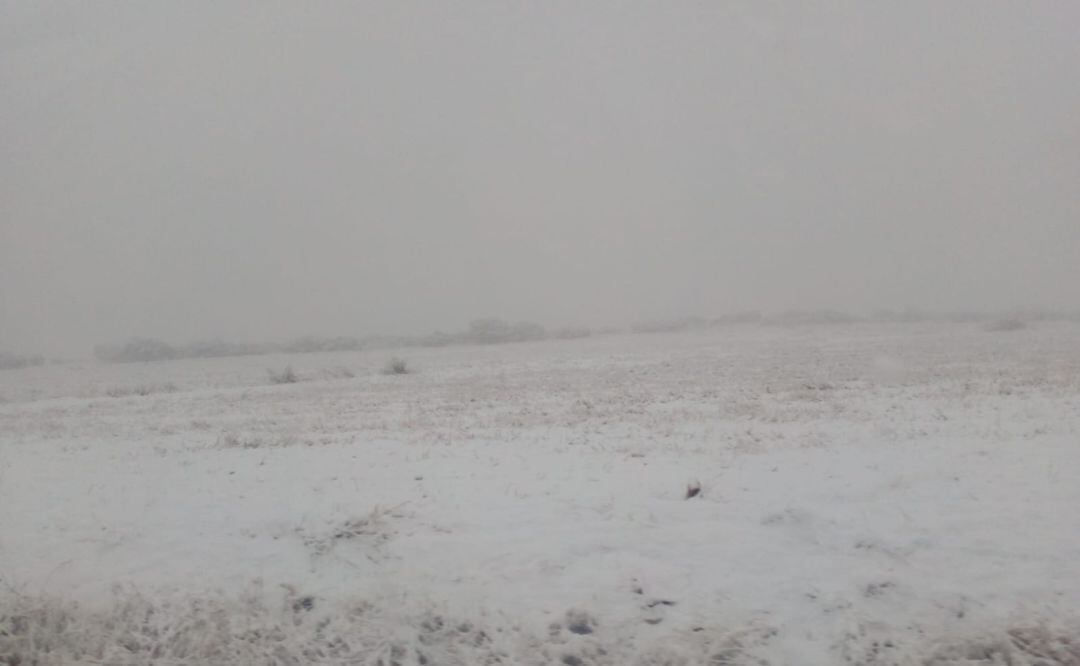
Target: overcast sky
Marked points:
256	171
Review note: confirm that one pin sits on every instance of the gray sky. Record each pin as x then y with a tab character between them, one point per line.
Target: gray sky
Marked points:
256	171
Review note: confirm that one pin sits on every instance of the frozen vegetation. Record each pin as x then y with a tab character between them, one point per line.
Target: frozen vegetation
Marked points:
850	493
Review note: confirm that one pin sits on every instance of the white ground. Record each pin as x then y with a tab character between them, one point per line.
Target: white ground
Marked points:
872	494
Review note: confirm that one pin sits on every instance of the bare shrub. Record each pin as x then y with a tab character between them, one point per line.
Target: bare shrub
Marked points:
136	350
668	325
497	331
804	317
309	345
286	376
1006	324
579	622
373	529
219	349
573	333
231	440
340	372
141	390
396	366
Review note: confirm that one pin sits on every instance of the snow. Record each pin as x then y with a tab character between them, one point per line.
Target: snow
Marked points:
871	493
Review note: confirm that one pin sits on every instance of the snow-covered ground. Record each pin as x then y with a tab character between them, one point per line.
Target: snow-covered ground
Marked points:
870	494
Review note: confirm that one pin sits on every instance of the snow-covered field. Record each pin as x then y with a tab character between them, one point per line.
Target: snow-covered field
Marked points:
870	494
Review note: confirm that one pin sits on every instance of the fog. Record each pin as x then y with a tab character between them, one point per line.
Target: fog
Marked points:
260	171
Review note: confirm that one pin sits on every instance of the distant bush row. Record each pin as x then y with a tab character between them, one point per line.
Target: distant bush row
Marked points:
481	331
149	349
992	321
13	361
498	331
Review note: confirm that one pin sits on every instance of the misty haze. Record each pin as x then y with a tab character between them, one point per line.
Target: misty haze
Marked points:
573	333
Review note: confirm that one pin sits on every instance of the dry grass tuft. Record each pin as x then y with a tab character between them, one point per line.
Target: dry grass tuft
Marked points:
286	376
1020	646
